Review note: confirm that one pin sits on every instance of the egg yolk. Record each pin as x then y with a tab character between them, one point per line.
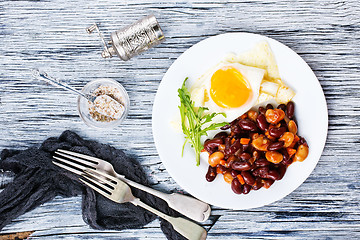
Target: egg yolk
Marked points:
229	88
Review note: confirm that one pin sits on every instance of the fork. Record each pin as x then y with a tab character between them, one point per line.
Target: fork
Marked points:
118	191
77	163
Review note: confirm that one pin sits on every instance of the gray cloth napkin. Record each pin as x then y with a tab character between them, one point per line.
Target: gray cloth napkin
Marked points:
37	181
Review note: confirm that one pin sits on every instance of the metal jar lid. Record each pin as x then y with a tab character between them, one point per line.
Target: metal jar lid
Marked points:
132	40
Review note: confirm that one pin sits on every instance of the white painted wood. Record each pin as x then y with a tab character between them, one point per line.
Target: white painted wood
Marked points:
51	35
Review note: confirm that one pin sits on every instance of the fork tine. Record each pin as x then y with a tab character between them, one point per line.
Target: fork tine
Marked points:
99	182
71	163
83	161
98	177
73	170
85	157
92	172
94	187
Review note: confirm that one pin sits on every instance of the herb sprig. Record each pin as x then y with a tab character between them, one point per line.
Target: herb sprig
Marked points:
192	121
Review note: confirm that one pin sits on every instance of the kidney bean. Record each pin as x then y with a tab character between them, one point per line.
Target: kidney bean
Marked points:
245	156
269	106
222	168
211	174
236	186
275	146
262	110
234	173
241	166
221	135
277	132
246	189
267	182
282	107
235	129
234	147
273	174
261	122
246	147
214	159
225	127
287	160
290	109
247	125
248	177
258	184
281	169
232	159
211	145
262	162
302	141
261	172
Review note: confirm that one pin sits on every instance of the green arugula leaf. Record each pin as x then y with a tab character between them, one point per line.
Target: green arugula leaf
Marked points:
192	121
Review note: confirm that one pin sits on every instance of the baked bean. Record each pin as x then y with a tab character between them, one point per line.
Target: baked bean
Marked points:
212	145
287	138
228	177
301	153
261	122
221	147
221	135
282	107
261	162
247	125
236	186
248	177
241	166
267	183
260	142
252	115
273	156
290	109
211	174
246	189
214	159
261	172
276	146
273	174
274	116
277	132
292	127
269	106
262	110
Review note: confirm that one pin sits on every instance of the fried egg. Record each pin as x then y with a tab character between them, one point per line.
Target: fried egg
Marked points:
230	88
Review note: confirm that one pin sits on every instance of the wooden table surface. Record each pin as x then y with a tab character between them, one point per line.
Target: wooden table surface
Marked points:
51	35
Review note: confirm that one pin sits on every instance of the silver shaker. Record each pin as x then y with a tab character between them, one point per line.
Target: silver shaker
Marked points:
132	40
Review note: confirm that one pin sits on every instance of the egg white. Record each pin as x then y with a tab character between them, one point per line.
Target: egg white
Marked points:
201	87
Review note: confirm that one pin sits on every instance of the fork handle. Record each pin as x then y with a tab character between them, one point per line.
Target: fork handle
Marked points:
188	229
188	206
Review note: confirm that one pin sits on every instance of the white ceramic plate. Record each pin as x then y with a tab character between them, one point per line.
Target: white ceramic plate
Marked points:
310	110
